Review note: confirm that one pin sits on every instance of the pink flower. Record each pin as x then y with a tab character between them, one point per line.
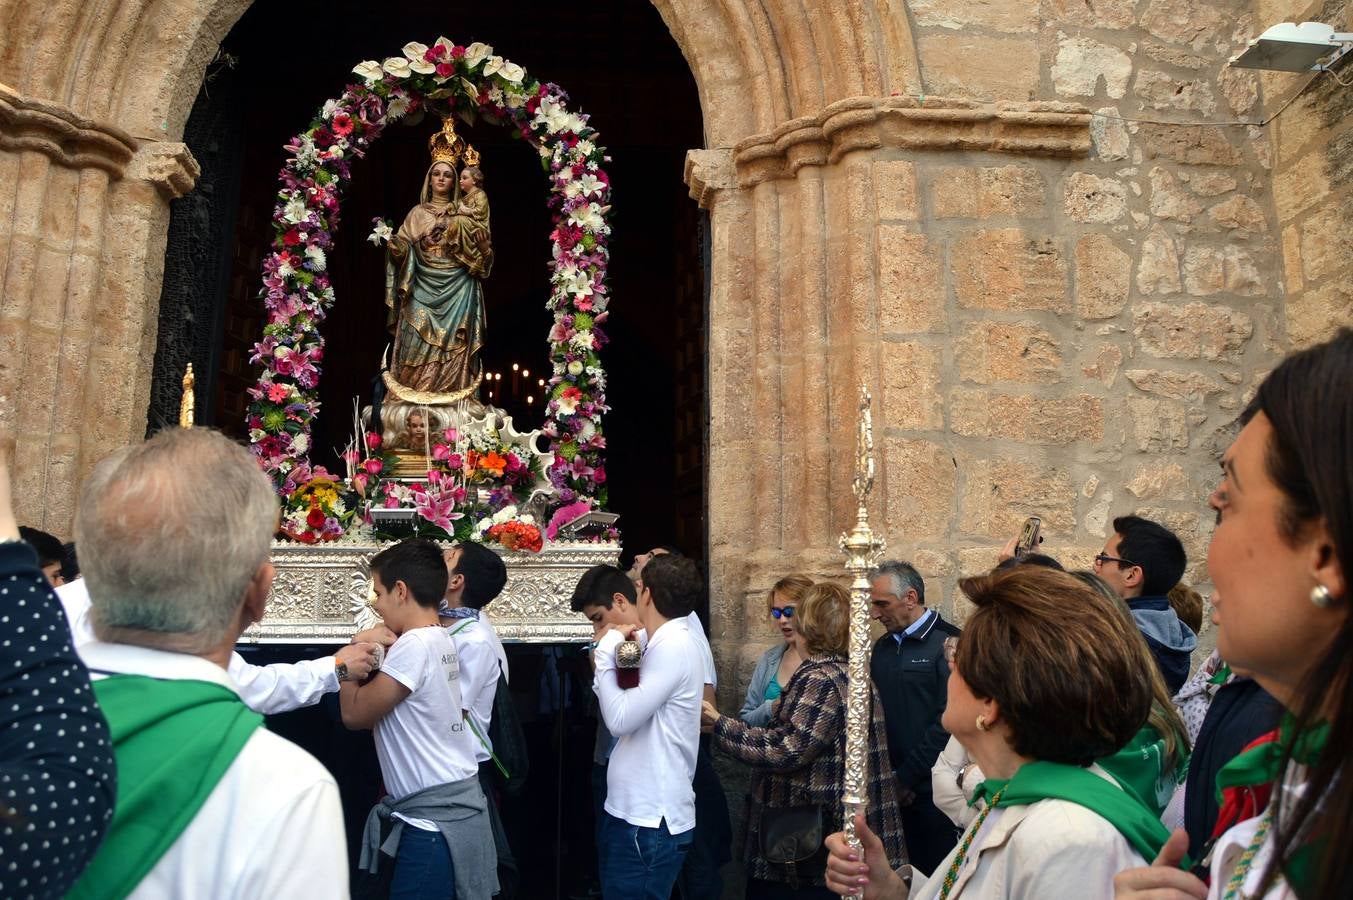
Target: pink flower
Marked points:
278	393
445	69
373	440
373	466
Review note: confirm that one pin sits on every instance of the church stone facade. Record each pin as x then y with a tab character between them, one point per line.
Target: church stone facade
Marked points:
1059	310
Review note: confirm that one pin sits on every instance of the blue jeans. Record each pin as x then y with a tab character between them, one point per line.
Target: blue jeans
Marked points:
639	863
423	869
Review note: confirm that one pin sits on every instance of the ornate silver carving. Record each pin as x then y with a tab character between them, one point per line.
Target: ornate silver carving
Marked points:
321	591
862	550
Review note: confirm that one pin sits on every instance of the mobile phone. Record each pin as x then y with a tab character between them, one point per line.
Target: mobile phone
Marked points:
1028	536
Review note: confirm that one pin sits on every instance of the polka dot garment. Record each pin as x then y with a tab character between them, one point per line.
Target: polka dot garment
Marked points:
57	778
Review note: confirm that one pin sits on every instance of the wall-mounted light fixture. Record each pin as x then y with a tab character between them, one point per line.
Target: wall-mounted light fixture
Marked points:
1308	47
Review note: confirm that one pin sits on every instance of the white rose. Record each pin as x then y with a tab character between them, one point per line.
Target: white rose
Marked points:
369	71
397	66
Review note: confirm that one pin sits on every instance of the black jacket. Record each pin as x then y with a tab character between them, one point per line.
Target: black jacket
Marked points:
1239	713
912	680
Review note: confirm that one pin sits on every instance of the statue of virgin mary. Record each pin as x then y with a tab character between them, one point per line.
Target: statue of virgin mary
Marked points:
434	272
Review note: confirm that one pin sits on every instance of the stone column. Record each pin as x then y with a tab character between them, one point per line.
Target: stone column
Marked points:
83	215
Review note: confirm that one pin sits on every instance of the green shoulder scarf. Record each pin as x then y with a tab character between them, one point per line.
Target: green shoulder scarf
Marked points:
173	740
1056	781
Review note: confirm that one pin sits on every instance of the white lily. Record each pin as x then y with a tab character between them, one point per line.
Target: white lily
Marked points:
414	50
444	42
476	52
512	72
370	70
397	66
590	185
295	209
493	64
422	66
380	234
588	217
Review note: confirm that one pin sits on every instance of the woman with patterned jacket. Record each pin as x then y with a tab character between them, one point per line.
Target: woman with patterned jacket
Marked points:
799	757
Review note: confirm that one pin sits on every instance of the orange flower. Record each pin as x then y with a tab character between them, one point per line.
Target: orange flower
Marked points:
493	463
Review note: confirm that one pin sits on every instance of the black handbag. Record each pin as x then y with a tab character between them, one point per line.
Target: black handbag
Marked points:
791	834
794	834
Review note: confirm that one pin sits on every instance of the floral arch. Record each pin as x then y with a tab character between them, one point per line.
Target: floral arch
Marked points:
444	79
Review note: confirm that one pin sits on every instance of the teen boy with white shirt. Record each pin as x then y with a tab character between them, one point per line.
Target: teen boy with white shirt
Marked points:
441	837
650	805
475	576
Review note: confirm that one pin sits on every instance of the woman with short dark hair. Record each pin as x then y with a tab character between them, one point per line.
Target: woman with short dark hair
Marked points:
1046	679
799	758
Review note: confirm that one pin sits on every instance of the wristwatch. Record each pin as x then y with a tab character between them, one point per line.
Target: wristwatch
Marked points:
340	669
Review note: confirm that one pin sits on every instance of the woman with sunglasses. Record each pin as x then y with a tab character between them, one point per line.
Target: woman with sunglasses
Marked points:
799	761
778	664
1280	559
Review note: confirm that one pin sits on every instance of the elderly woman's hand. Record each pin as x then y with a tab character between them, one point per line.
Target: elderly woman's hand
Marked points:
1163	879
872	879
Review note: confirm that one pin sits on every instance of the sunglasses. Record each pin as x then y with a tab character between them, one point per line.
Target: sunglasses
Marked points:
1102	558
782	612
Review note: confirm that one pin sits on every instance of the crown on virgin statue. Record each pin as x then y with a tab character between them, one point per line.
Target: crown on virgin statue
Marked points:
448	147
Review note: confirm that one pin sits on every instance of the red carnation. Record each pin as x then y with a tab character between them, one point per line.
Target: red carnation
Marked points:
292	237
316	518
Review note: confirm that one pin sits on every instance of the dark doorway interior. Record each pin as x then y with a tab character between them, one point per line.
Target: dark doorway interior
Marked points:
620	65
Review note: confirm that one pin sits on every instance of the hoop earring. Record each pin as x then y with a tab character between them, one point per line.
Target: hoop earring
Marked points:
1320	596
982	724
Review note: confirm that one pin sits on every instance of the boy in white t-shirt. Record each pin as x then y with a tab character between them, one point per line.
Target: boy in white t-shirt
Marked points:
440	839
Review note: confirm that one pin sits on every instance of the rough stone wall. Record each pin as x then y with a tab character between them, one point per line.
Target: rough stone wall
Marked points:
1047	328
1313	182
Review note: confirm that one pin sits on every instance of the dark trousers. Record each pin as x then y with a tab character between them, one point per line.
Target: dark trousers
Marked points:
423	868
712	842
930	833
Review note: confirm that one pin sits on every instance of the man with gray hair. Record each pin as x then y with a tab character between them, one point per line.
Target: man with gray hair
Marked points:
912	676
174	538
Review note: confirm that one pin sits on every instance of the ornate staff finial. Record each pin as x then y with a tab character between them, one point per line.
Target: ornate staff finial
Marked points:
186	402
862	550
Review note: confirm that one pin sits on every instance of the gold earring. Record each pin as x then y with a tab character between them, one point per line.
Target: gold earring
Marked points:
1321	597
982	724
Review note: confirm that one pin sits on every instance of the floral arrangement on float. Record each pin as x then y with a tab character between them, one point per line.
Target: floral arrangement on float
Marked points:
472	490
471	82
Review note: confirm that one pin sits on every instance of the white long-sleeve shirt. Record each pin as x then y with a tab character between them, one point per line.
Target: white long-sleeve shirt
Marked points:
278	688
658	724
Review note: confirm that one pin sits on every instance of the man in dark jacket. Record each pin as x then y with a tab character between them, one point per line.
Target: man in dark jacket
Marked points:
911	674
1142	562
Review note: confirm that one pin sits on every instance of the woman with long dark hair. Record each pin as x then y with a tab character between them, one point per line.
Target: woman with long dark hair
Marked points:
1281	559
